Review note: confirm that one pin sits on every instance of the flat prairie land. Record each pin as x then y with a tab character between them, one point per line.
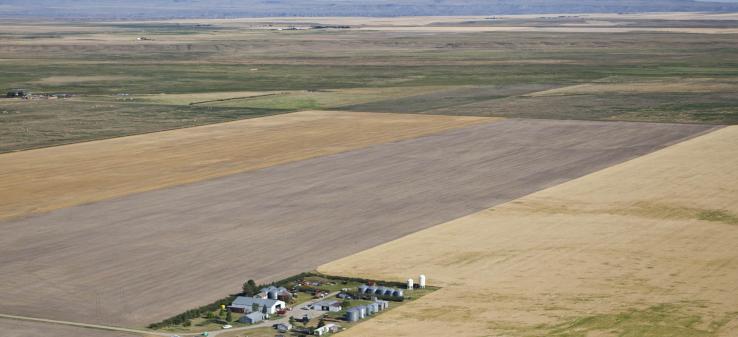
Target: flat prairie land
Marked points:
643	248
140	258
557	29
476	66
46	179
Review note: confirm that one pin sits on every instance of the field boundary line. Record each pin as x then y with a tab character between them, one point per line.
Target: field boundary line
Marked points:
82	325
236	98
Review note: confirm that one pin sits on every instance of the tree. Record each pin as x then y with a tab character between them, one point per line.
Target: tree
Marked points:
187	323
210	315
292	320
255	307
321	323
250	288
229	316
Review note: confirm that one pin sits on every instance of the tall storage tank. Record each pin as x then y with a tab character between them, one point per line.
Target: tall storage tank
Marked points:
421	281
272	294
409	284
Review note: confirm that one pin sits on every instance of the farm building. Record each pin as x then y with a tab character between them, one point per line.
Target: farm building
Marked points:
383	305
328	305
360	312
18	93
283	327
276	293
380	291
328	328
244	304
252	318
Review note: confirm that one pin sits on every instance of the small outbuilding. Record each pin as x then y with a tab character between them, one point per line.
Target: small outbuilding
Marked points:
328	328
284	327
252	318
327	305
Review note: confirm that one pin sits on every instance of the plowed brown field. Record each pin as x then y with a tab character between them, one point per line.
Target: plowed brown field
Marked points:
52	178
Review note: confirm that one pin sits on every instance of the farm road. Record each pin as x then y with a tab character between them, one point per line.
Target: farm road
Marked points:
137	259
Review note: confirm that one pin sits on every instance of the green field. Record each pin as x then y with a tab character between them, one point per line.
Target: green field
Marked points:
121	84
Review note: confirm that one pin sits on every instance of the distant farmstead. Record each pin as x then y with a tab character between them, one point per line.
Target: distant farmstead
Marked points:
18	93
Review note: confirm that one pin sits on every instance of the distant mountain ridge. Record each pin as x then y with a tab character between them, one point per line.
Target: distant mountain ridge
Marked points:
158	9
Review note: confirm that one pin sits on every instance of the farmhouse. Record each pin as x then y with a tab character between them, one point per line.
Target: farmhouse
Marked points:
243	304
252	318
327	305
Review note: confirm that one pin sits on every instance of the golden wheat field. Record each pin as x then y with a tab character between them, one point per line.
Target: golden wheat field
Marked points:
644	248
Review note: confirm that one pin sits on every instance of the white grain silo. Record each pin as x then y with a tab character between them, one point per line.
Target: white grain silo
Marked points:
409	284
421	281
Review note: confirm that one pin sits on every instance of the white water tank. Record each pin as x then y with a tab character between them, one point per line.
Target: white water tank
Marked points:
409	284
421	281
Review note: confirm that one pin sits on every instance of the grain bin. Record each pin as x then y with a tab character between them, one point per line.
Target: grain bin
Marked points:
399	293
363	288
352	315
369	310
410	284
421	281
